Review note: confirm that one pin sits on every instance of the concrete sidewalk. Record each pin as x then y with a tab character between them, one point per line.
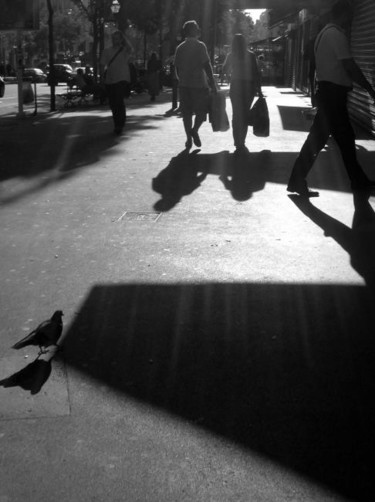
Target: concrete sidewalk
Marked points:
218	339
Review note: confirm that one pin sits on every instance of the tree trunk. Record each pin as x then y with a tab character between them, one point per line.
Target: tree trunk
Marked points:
145	47
51	76
95	47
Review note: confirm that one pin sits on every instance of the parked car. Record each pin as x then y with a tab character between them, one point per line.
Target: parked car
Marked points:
2	87
34	74
62	72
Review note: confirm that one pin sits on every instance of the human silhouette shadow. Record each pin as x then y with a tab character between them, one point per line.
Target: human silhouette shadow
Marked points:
181	177
244	174
358	241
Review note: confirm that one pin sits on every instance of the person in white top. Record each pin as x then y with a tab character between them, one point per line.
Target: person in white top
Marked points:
336	71
114	63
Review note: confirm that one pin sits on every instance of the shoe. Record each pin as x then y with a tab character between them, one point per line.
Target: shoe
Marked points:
241	150
301	188
196	138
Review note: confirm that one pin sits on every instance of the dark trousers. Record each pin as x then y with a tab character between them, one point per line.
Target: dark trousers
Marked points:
241	94
332	118
116	97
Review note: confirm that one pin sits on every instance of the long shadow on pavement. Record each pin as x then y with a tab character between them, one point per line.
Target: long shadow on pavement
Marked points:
60	144
358	241
286	370
44	101
242	175
246	174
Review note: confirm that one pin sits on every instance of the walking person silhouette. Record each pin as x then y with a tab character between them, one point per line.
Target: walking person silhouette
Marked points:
241	64
195	76
336	71
115	70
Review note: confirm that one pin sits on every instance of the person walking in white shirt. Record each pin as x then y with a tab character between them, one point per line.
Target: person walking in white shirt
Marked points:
336	71
115	69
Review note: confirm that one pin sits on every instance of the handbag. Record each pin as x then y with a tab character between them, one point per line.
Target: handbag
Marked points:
217	113
258	117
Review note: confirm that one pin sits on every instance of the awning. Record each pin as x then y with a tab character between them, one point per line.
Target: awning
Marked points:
285	5
282	9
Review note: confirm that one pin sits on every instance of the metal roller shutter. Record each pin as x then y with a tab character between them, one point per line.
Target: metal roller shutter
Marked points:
361	105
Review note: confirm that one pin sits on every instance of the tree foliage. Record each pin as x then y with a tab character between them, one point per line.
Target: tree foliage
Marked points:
158	21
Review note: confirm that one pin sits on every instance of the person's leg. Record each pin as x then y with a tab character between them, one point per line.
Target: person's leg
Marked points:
187	114
111	97
187	119
241	99
342	132
198	121
119	113
235	100
200	99
316	140
115	94
248	97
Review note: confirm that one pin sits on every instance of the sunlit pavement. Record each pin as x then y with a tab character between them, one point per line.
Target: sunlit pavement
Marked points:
218	340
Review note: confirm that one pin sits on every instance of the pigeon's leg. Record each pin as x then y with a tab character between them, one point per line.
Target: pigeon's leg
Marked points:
51	349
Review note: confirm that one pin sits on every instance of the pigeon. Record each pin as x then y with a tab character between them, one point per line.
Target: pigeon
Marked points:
46	334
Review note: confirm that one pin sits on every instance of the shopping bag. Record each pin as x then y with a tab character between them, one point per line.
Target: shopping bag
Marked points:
258	117
217	113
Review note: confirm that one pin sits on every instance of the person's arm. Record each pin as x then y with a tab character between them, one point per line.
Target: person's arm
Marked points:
175	63
356	74
227	65
102	66
210	75
205	60
175	71
258	81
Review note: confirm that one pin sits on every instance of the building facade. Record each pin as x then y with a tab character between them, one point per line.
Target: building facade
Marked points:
300	29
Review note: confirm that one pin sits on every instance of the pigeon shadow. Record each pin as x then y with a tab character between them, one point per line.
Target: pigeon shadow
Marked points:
32	377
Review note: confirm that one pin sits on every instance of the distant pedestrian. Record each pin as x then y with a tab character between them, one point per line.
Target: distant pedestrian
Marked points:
241	65
335	72
195	75
116	73
154	67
